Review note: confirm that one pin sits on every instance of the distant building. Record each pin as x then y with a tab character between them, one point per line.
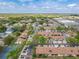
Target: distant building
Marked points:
66	22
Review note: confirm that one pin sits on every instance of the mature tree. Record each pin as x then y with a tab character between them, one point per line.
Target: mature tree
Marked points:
38	39
30	29
41	22
71	40
2	28
19	27
14	20
41	28
1	48
41	40
16	33
60	28
77	37
29	42
8	40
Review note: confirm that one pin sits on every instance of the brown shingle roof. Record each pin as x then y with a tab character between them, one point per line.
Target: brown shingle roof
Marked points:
22	37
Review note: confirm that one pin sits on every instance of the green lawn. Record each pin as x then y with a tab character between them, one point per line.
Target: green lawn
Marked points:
71	58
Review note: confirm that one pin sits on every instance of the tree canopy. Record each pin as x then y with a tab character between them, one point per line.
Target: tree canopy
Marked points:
1	48
39	39
60	28
2	28
8	40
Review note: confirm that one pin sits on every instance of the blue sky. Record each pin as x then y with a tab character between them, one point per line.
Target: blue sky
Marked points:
39	6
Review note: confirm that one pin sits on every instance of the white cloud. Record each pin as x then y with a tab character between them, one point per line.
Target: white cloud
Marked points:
25	0
72	5
8	5
62	0
43	6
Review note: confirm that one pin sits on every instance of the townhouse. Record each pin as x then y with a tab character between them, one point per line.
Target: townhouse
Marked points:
57	45
55	38
57	51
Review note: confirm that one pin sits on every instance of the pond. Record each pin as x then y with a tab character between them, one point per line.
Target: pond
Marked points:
6	50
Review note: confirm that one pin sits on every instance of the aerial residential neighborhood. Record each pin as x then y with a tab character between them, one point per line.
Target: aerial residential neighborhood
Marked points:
51	37
39	29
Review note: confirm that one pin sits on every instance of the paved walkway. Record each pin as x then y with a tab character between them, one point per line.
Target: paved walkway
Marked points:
26	53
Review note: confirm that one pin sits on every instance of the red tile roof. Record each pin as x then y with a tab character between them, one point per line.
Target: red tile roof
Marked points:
43	58
58	50
53	35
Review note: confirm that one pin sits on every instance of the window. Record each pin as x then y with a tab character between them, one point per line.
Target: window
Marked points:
78	51
50	50
52	35
71	50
